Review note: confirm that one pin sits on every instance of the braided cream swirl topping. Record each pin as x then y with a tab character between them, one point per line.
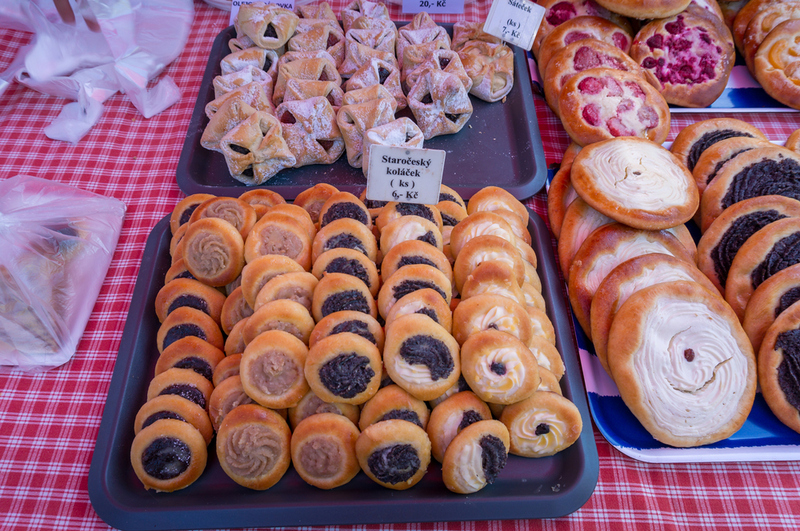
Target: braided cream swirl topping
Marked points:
523	430
501	385
470	466
487	228
413	373
499	317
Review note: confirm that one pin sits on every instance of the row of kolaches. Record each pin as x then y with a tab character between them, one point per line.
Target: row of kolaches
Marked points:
339	335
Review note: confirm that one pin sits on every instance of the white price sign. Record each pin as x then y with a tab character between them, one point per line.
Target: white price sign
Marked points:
407	175
442	7
236	4
514	21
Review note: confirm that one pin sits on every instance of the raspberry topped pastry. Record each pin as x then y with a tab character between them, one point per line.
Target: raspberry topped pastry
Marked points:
602	103
686	57
559	11
645	9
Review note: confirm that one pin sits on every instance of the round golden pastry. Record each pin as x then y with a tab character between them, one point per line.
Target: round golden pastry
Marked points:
777	367
411	252
645	9
213	251
518	225
542	326
263	269
475	456
493	278
311	404
296	286
177	270
394	453
253	446
479	224
336	292
714	157
547	356
627	278
262	200
769	301
424	301
192	353
345	233
604	103
421	357
226	368
354	322
484	249
183	210
533	297
394	402
173	407
491	312
225	397
498	367
447	194
762	24
542	425
344	368
168	455
234	343
372	205
349	262
185	321
299	214
231	209
272	369
234	309
312	199
683	364
560	196
279	233
579	221
722	240
776	65
344	205
793	142
324	450
394	210
559	11
450	416
407	228
695	138
452	213
491	198
647	167
743	18
281	314
548	382
409	279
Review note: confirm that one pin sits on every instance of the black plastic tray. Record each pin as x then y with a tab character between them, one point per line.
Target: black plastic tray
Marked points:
499	146
526	488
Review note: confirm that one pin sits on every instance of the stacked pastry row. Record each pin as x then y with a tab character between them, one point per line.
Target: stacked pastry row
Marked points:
273	341
749	245
676	350
301	90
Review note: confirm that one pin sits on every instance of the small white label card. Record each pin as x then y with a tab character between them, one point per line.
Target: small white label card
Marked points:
407	175
442	7
514	21
236	4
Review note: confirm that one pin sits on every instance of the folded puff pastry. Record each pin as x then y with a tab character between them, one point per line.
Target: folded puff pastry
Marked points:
228	82
266	60
322	10
378	72
445	60
320	37
402	132
440	104
491	67
303	89
268	25
372	92
464	32
355	120
365	8
320	68
416	54
229	115
310	131
255	149
253	94
363	45
409	36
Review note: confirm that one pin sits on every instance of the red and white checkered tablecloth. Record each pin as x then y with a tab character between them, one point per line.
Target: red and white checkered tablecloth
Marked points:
49	421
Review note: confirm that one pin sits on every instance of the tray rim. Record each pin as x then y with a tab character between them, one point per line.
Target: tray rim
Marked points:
480	506
189	186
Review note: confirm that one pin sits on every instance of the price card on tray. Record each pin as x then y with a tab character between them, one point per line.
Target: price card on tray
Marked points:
407	175
442	7
236	4
514	21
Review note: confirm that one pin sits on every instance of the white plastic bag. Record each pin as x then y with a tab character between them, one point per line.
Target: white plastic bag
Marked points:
136	40
57	242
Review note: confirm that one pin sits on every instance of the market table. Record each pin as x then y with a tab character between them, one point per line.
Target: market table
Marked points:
49	421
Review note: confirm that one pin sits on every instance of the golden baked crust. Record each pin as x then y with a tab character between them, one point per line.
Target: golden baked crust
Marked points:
344	368
579	221
351	262
347	233
493	278
312	199
193	353
776	66
282	314
695	138
226	396
410	227
411	278
559	11
452	415
484	248
311	404
176	473
186	321
777	369
475	456
272	369
717	155
188	292
226	368
394	402
793	142
263	269
324	450
645	9
349	321
426	302
213	251
394	453
355	120
774	296
491	312
336	292
177	407
542	425
479	224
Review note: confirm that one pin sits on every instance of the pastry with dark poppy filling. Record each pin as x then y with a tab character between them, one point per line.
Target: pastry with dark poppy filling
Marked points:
394	453
393	402
344	368
338	291
475	456
168	455
349	262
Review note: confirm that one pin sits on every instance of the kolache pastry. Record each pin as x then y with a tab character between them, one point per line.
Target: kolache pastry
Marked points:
407	228
498	367
278	233
603	250
694	139
444	60
230	114
723	239
547	356
253	94
344	205
355	120
440	104
683	364
402	132
775	63
182	382
761	171
168	455
770	300
482	249
714	158
272	369
792	142
777	367
464	32
602	103
493	278
424	301
226	396
235	343
344	368
560	196
188	292
345	233
479	224
394	453
323	449
452	213
261	58
282	314
310	131
311	404
255	150
490	68
182	212
762	24
645	9
411	252
743	18
267	25
627	278
768	251
579	221
227	367
376	71
421	357
452	415
262	200
336	292
312	199
174	407
349	262
493	198
184	322
393	402
253	446
687	57
302	217
192	353
559	11
394	210
358	323
213	251
307	66
261	270
326	37
296	286
491	312
409	279
647	167
475	456
542	425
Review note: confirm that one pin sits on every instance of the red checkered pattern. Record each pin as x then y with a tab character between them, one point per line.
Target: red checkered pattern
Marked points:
49	421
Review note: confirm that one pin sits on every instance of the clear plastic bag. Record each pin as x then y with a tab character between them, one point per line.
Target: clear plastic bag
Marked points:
57	242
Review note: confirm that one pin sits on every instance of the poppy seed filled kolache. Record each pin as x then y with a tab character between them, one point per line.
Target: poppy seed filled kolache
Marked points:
694	139
188	292
452	415
344	368
173	407
778	367
411	278
393	402
413	252
185	321
344	205
358	323
717	155
168	455
394	453
336	292
770	300
182	212
426	302
476	456
181	382
192	353
349	262
348	234
393	210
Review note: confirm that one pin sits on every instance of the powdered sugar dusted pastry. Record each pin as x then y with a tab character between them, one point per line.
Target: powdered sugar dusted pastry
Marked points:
410	227
322	10
560	11
358	323
542	425
303	89
626	279
261	58
483	249
310	131
362	8
344	368
602	103
228	82
226	396
451	416
213	251
312	199
770	300
272	369
326	37
394	453
324	450
694	139
424	301
445	60
775	63
345	233
376	71
253	94
415	35
491	312
355	120
282	234
421	356
168	455
411	278
268	25
646	167
440	104
311	404
402	132
475	456
464	31
253	446
682	363
490	66
282	314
